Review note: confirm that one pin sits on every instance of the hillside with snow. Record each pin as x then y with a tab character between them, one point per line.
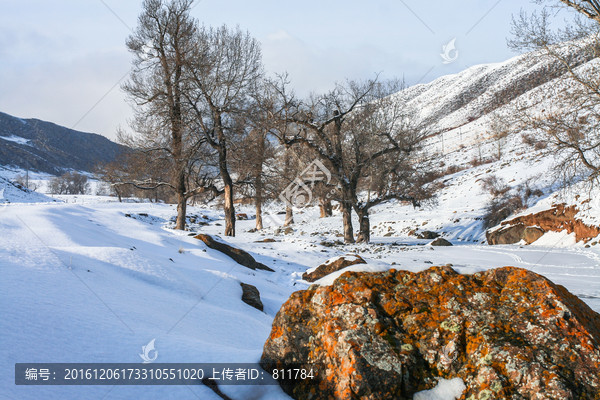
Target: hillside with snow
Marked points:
89	279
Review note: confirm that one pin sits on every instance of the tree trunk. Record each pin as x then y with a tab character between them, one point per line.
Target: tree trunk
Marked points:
325	208
258	178
181	210
227	181
229	208
347	219
289	216
289	213
258	202
181	202
364	230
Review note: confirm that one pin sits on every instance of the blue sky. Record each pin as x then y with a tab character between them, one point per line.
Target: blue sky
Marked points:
62	60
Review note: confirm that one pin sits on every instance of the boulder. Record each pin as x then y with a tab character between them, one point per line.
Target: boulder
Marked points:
429	235
440	242
238	255
241	216
531	227
508	333
251	296
506	235
532	233
332	265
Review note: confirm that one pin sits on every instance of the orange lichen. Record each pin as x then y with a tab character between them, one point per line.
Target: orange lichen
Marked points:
488	321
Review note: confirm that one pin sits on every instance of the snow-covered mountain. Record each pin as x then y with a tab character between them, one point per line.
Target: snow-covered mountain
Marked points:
46	147
452	101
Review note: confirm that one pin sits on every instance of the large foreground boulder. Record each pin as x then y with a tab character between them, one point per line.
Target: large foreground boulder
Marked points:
508	333
331	266
529	228
238	255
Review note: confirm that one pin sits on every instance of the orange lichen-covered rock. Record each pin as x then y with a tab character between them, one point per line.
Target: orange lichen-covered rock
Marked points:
508	333
531	227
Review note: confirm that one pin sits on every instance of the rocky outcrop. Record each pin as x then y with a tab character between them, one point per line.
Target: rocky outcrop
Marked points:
238	255
251	296
508	333
441	242
530	228
333	265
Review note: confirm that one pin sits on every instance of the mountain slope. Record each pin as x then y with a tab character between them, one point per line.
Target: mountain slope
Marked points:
454	100
46	147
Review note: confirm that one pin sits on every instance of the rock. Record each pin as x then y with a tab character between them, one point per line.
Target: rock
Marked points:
531	227
251	296
330	266
512	234
506	235
238	255
325	243
429	235
532	233
241	216
286	230
508	333
266	240
440	242
212	385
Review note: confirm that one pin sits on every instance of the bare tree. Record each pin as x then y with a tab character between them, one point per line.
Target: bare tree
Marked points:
226	67
69	183
569	124
380	144
250	159
360	134
162	46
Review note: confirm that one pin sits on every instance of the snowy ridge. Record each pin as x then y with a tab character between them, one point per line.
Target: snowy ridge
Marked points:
454	100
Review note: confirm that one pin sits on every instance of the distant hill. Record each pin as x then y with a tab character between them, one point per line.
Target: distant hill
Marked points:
46	147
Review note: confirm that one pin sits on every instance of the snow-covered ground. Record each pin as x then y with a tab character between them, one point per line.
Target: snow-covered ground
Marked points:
86	283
